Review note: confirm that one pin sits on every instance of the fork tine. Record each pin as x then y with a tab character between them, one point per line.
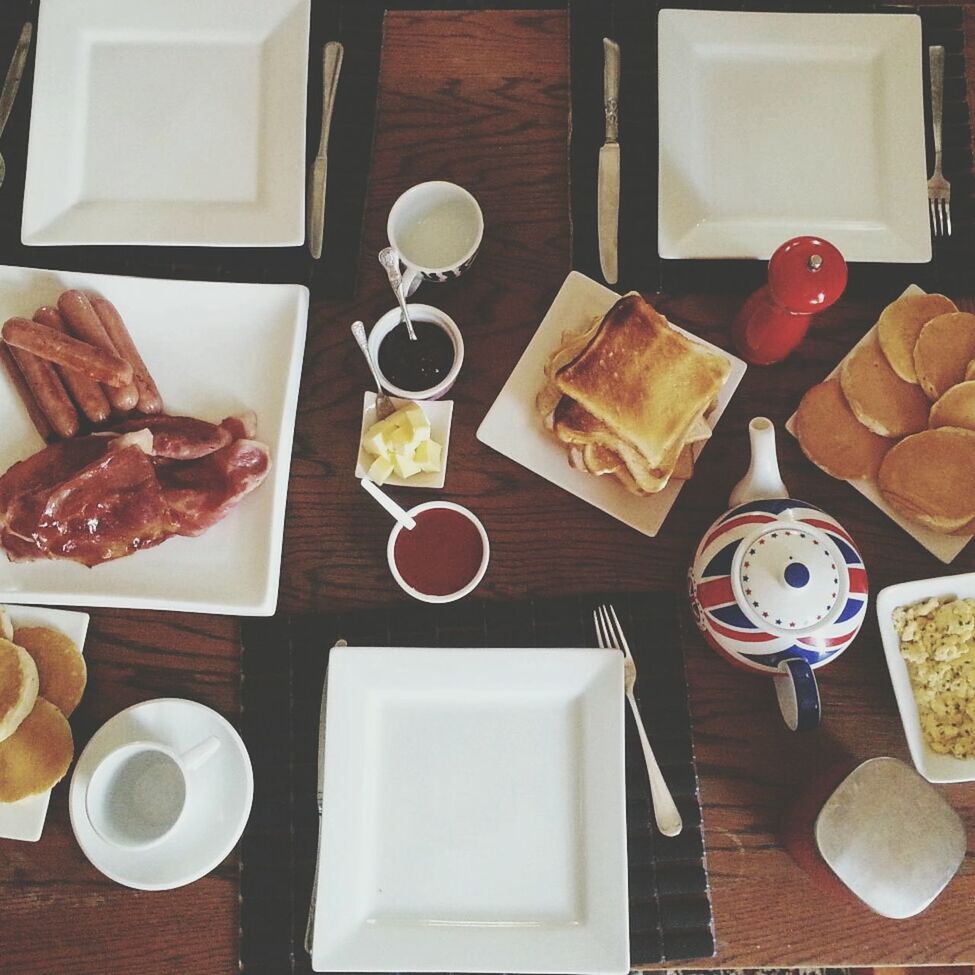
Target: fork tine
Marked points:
947	206
932	219
619	630
599	630
608	636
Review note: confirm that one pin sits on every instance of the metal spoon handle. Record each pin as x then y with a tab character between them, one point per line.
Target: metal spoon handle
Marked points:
14	73
359	333
389	258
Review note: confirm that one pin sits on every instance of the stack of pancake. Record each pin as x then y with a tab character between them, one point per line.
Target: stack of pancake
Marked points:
902	413
628	396
42	678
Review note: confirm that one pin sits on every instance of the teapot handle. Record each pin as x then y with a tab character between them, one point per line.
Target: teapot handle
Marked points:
798	694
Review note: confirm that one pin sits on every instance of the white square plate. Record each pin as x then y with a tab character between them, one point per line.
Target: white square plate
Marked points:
168	122
474	816
779	124
514	428
439	413
24	820
214	350
934	767
945	547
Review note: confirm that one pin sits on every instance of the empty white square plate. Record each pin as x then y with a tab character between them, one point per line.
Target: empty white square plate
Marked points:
214	350
773	125
168	122
474	815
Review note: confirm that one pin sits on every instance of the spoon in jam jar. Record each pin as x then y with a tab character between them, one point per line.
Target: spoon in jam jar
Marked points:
384	405
389	258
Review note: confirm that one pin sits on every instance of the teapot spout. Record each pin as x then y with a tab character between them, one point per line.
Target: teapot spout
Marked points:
763	479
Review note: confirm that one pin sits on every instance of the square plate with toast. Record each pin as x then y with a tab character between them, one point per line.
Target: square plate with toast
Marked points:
514	427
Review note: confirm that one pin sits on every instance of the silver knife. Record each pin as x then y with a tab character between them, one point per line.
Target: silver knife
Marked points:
331	66
608	187
309	928
14	73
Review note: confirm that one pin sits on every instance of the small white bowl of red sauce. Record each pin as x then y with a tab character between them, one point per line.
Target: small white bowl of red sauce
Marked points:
426	368
444	558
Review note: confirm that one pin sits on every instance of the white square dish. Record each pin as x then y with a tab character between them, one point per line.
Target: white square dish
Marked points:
474	816
945	547
773	125
168	122
934	767
439	412
214	349
513	427
24	820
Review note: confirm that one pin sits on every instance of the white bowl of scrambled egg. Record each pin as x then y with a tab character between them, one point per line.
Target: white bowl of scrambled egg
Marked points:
928	629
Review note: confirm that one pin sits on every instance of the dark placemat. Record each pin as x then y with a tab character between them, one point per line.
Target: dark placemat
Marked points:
359	27
283	667
634	24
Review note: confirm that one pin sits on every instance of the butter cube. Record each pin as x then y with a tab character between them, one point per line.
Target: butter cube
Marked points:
380	470
418	423
427	456
405	466
375	443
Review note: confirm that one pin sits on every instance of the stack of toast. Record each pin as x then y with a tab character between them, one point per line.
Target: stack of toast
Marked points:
902	413
629	396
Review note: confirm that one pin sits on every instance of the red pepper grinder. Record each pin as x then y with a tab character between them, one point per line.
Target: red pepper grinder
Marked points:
805	276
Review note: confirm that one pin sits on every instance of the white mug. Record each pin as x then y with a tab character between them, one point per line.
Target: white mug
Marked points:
138	792
437	228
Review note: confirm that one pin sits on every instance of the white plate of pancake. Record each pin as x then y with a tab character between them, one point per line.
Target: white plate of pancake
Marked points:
514	426
944	546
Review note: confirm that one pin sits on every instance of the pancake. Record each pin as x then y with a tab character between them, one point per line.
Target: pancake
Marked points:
60	665
879	398
956	408
943	351
18	687
833	438
900	324
970	371
37	755
928	477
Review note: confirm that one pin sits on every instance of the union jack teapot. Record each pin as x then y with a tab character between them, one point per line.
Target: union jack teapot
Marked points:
777	586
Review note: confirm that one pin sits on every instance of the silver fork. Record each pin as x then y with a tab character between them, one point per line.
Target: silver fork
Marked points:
609	634
939	189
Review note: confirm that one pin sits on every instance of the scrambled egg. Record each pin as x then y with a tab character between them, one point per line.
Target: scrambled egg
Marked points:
938	643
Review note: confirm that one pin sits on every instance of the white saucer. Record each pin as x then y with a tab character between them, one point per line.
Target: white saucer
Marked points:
207	832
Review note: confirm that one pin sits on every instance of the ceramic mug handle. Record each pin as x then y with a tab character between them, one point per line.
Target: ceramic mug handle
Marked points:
196	756
798	694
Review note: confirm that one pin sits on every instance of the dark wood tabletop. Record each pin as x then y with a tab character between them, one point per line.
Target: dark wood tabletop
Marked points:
481	98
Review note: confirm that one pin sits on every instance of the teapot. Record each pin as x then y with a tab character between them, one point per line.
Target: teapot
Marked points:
777	586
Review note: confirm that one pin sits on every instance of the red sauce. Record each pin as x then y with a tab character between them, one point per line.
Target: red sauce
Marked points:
442	554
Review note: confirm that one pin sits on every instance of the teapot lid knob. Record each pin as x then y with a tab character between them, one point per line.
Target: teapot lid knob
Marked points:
796	575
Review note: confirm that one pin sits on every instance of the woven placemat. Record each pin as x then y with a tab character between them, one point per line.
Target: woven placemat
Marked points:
634	24
283	666
359	27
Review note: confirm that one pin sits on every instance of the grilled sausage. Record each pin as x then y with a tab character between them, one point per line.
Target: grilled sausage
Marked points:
149	399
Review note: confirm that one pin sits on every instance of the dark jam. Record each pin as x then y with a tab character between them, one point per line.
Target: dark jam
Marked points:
442	554
418	365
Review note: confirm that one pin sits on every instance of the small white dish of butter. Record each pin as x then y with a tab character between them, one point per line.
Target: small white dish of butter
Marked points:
407	449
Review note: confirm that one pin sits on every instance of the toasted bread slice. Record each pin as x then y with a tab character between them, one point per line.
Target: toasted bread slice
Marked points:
19	685
37	755
833	438
643	379
900	324
879	398
956	408
943	350
928	477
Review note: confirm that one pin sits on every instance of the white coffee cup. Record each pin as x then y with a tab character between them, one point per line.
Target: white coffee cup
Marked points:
138	792
437	228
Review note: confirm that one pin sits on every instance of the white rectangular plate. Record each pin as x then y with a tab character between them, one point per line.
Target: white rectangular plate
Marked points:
214	350
168	122
945	547
474	816
934	767
24	820
779	124
514	428
439	413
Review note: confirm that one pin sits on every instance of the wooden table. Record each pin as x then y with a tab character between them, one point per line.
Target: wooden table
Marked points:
481	98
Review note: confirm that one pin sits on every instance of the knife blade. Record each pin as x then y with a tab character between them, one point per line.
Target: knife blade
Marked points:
310	926
11	83
608	184
332	54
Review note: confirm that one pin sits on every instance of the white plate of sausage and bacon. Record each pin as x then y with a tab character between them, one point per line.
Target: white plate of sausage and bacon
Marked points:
147	432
